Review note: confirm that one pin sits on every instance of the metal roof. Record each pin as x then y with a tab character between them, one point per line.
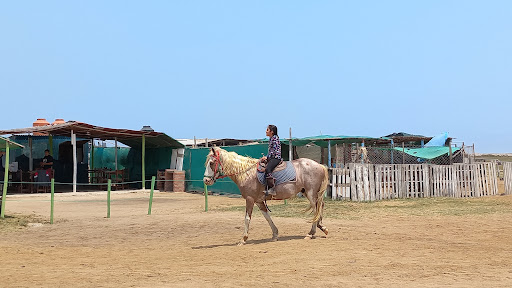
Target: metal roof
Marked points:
128	137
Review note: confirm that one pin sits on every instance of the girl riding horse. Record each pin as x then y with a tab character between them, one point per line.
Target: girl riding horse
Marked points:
273	157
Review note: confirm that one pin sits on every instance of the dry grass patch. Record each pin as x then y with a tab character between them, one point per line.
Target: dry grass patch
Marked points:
399	207
18	221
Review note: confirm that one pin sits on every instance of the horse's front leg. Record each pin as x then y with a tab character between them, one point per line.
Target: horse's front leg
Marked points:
249	205
266	214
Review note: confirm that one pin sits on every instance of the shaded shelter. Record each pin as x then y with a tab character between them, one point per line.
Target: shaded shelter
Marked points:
139	140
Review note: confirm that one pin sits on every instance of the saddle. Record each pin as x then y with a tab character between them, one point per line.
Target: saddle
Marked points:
284	172
262	165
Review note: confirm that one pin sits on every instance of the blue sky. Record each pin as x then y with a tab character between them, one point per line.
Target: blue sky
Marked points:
226	69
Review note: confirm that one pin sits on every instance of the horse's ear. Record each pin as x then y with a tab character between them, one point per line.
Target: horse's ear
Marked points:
213	151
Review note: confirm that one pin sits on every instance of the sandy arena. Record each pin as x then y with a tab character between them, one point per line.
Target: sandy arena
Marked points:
180	245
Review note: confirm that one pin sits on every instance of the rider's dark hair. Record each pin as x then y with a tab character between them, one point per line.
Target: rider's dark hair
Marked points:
273	128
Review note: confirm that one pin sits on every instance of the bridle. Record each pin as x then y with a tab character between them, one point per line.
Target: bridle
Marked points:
216	156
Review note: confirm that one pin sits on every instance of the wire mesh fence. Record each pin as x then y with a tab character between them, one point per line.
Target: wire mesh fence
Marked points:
342	155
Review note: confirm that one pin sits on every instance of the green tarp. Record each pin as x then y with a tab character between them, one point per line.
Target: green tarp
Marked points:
428	152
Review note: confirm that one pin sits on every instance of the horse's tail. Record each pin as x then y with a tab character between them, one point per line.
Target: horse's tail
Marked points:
320	196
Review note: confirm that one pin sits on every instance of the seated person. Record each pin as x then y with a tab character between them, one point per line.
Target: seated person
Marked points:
47	162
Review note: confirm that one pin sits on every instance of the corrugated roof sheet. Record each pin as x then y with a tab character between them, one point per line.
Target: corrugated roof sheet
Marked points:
428	152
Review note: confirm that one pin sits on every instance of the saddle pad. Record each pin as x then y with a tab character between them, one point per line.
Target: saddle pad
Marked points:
285	175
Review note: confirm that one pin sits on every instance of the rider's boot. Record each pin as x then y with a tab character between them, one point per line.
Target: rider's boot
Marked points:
270	186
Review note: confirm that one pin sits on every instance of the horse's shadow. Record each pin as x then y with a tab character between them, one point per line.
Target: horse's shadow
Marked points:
249	242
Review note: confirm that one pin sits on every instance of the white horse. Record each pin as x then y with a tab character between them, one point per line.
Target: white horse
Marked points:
312	180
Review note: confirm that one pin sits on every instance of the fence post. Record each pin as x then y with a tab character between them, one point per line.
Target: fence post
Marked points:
143	162
52	199
151	194
6	178
205	198
108	197
392	148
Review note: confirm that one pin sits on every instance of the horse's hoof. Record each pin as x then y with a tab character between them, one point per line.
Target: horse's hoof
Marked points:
308	237
241	243
326	231
274	239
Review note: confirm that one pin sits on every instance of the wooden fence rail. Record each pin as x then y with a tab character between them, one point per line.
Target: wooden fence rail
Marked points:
507	177
370	182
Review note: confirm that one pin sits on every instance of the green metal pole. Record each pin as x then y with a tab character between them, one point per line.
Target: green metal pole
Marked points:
285	202
52	200
151	194
205	198
50	144
6	178
108	197
143	162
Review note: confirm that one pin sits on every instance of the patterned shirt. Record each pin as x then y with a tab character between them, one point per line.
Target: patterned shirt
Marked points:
274	147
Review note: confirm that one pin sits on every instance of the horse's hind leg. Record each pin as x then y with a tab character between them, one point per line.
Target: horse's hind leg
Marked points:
266	214
318	224
249	205
312	202
322	227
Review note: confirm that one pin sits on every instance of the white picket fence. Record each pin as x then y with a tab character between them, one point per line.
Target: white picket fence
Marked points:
507	177
370	182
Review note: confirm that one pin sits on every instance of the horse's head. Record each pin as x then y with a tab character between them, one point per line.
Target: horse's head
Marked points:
213	167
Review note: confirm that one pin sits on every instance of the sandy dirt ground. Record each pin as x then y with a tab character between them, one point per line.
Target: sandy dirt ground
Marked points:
180	245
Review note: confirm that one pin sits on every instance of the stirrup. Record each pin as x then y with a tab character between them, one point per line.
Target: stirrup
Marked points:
270	191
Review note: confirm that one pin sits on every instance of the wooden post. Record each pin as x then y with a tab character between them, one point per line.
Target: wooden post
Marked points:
30	156
451	154
143	162
329	154
336	159
392	148
92	161
115	154
6	178
73	142
290	146
205	198
50	144
403	153
151	194
52	199
290	155
344	160
362	153
473	153
109	186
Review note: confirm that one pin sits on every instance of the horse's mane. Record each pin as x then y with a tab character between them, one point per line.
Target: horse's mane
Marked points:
238	165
